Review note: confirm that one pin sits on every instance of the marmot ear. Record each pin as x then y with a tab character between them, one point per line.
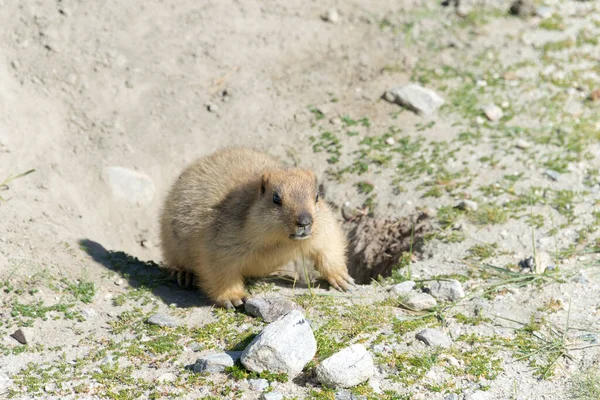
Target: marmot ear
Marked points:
264	182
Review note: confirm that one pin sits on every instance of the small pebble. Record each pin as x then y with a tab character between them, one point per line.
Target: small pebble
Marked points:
167	377
15	64
479	120
403	288
523	144
467	205
505	104
332	15
481	83
119	282
492	112
390	141
544	12
212	107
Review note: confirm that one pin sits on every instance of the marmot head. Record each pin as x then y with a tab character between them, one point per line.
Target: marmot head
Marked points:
292	198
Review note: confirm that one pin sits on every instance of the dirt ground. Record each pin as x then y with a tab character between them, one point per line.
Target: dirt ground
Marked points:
107	101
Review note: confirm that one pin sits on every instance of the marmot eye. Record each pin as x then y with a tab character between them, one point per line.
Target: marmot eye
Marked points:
276	199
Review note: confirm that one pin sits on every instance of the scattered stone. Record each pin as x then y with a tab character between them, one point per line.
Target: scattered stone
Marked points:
259	385
15	64
196	346
130	185
217	362
270	308
420	301
332	16
163	320
467	205
479	120
403	288
119	282
492	112
450	290
347	395
346	368
482	83
19	336
434	338
505	104
167	377
415	98
210	107
523	144
523	8
544	12
390	141
272	396
589	337
453	362
552	174
285	345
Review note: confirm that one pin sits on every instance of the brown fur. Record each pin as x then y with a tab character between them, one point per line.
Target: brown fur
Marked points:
220	223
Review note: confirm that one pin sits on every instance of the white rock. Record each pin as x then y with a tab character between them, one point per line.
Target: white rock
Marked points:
346	368
523	144
216	362
258	384
272	396
167	377
284	346
390	141
420	301
129	185
434	338
332	15
479	120
416	98
492	112
450	290
478	395
468	205
402	288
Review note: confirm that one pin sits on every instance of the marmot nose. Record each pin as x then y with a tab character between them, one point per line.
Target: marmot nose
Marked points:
304	219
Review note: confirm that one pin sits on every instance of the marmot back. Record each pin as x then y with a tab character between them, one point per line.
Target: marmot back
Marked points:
239	213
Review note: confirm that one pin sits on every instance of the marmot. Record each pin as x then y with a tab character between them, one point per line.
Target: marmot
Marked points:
240	213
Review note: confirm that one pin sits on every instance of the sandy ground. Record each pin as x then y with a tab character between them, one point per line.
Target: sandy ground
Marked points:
149	86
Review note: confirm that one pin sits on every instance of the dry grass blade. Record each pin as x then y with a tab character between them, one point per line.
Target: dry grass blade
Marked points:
4	184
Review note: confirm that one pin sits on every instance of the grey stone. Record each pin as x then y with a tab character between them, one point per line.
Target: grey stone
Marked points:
88	313
217	362
468	205
283	346
19	336
492	112
163	320
420	301
552	174
403	288
129	185
452	396
450	290
522	144
270	308
434	338
415	98
347	395
258	384
272	396
346	368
